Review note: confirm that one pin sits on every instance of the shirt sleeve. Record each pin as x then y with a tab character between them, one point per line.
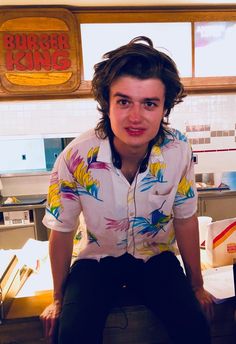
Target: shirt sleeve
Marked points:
63	201
185	204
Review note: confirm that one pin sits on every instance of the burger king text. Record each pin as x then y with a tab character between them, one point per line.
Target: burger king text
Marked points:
48	51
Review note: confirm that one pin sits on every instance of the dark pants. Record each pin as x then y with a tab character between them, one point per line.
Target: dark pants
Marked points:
93	289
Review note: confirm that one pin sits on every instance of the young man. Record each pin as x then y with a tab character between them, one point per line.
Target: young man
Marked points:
133	180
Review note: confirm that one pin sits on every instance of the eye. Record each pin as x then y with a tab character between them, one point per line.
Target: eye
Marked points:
150	104
123	102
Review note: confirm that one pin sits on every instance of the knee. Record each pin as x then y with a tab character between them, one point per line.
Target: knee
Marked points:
67	325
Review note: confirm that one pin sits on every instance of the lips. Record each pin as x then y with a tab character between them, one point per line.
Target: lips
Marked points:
135	131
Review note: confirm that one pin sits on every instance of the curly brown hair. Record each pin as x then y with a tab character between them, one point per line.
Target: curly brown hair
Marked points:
142	61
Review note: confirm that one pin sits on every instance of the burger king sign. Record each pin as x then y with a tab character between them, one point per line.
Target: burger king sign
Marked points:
39	52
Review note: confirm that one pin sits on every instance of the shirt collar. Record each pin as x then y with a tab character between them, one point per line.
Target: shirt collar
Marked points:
105	154
156	154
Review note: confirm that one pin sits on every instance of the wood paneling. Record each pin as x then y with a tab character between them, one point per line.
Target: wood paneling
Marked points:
69	83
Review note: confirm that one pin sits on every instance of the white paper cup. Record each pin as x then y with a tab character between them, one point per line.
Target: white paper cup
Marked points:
203	222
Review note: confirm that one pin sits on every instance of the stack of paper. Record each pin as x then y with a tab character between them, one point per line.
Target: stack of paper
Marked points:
219	282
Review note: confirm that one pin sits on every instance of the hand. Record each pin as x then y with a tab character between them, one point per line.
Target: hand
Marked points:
206	301
49	318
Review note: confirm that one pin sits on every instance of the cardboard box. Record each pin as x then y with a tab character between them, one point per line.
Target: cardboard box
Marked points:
16	217
8	276
12	277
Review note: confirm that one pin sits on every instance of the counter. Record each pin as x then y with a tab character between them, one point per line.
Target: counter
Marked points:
131	323
14	236
217	204
216	193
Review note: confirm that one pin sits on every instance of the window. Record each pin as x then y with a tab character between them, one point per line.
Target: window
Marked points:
214	49
200	40
172	38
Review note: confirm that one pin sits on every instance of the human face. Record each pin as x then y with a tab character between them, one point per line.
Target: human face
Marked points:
136	110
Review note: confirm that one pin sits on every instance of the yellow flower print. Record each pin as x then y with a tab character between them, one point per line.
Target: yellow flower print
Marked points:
156	150
156	169
184	186
54	201
184	191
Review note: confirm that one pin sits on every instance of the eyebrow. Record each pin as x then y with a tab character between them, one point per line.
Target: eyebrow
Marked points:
118	94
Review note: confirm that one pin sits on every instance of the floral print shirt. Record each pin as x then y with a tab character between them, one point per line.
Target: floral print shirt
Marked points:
118	216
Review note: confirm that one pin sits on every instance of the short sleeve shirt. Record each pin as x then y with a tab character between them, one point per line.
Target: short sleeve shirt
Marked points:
120	217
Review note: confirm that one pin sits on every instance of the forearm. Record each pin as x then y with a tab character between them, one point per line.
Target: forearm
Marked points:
60	250
187	236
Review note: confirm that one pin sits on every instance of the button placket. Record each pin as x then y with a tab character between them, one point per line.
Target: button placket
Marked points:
131	212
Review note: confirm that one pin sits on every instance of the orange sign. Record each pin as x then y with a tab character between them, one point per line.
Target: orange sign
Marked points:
39	52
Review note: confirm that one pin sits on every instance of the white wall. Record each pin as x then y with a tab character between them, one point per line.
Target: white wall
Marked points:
42	119
218	114
22	154
37	119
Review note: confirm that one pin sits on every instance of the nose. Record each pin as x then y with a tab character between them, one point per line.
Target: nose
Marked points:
135	114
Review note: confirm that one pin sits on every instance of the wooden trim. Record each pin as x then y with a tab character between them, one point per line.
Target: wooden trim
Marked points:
192	86
192	47
167	14
209	81
144	14
136	16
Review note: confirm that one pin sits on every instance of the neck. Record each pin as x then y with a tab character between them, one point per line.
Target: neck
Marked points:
131	159
132	154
